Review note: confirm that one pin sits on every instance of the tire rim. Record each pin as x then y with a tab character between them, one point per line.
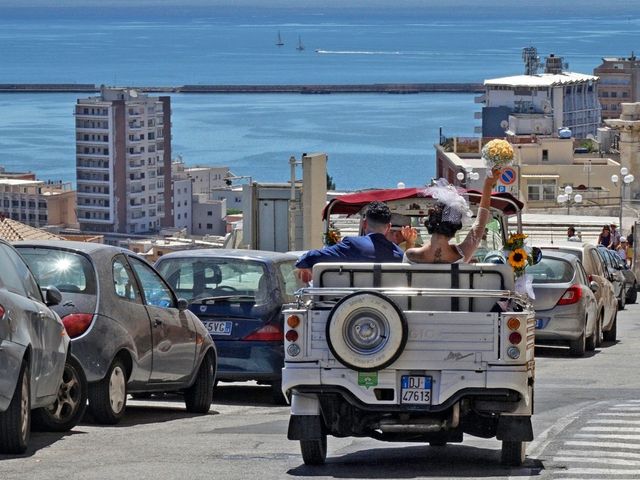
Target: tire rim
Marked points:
117	390
68	396
24	407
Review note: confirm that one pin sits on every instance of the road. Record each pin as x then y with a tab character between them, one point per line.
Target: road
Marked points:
587	426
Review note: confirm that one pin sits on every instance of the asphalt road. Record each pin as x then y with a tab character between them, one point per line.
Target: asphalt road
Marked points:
587	426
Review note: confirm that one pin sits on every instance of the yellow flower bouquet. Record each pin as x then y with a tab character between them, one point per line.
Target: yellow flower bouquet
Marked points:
497	154
332	236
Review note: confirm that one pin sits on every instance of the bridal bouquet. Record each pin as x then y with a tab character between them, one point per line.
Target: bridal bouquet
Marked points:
497	154
332	236
519	258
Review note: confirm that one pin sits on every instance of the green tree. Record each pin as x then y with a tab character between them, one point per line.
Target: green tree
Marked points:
331	185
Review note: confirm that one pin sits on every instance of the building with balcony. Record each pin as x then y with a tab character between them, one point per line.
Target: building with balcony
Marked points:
543	166
619	83
37	203
565	99
123	162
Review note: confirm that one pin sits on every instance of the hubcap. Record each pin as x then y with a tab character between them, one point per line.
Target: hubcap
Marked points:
24	407
68	396
117	389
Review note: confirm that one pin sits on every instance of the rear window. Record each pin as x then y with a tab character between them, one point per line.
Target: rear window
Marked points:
575	253
551	270
201	277
67	271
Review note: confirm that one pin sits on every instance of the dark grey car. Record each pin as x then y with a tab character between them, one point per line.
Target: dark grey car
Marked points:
33	350
128	330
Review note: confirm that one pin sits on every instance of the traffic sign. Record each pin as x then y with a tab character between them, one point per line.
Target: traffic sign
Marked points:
508	176
502	188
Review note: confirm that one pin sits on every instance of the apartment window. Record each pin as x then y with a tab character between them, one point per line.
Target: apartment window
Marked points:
209	226
614	107
209	213
545	155
625	94
604	94
614	94
178	216
541	189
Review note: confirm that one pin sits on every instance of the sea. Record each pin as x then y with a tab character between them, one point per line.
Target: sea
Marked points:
372	140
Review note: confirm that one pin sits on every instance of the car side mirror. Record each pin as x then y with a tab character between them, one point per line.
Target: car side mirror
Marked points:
594	286
52	296
183	304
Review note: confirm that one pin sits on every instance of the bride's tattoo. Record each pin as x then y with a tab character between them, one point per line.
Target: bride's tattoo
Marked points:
437	256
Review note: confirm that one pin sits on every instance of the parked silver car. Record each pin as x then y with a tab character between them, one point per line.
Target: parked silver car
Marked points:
613	269
566	308
128	330
33	349
595	268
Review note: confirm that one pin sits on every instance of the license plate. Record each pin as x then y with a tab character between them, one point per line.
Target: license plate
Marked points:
219	328
540	322
415	389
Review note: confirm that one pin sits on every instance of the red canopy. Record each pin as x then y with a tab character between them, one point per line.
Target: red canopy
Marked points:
354	202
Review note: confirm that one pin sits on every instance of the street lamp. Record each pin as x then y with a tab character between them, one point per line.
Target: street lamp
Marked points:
469	174
627	178
566	198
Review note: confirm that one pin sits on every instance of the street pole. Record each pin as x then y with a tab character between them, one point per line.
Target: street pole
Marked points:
622	185
292	205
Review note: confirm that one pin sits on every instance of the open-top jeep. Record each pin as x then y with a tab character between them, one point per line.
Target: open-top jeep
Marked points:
411	353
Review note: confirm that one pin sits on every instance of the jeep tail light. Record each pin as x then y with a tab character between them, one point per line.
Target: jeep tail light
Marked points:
293	321
515	338
77	323
513	323
291	336
268	333
571	296
1	312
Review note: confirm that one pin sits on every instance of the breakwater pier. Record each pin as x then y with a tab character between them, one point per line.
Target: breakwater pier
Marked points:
395	88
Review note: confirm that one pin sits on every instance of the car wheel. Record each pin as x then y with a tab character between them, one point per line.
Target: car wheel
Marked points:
594	340
612	333
15	421
513	453
198	397
70	405
632	294
314	452
108	397
577	347
366	331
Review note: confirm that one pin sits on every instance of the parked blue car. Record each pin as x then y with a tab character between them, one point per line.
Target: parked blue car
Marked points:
238	296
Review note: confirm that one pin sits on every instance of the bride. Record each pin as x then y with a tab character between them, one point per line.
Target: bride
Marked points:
446	218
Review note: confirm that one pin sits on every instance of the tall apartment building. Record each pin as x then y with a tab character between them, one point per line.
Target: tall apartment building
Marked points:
619	83
567	99
123	162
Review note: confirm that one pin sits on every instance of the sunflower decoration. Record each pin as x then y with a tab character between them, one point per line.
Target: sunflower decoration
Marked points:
519	256
332	236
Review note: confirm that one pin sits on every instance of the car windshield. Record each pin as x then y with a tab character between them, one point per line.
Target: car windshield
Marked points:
69	272
551	270
201	278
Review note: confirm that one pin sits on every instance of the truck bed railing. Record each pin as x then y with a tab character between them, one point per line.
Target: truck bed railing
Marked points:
339	292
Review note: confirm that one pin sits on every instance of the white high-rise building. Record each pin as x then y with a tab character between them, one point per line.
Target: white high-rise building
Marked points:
123	162
556	98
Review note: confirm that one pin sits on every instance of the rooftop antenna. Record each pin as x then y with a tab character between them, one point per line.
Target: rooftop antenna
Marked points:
531	60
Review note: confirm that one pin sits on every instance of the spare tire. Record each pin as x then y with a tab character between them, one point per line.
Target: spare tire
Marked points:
366	331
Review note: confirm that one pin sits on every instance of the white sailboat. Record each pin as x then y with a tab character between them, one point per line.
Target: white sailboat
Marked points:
300	46
279	41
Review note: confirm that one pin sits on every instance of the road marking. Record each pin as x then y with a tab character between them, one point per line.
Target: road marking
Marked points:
598	471
596	453
610	429
585	443
601	435
619	414
613	421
